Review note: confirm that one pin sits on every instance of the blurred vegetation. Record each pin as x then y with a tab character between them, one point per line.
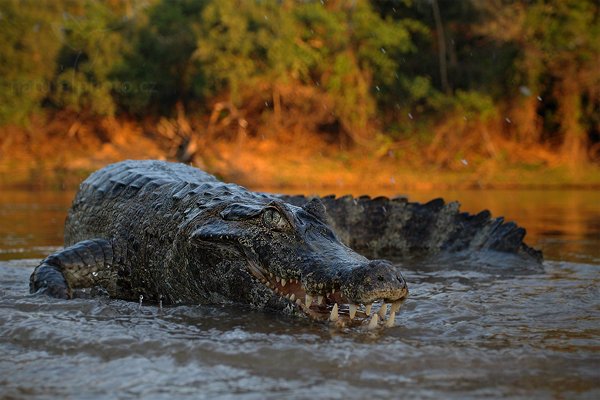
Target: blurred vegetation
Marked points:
451	76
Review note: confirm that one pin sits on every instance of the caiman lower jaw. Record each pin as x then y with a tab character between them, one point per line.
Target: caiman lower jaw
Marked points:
331	306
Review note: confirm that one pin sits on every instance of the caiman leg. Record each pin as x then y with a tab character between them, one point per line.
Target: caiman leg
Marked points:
87	264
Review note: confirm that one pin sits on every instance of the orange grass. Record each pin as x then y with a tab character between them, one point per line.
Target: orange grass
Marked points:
61	152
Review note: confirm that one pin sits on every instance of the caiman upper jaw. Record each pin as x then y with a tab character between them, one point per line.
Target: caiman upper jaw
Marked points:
377	280
331	304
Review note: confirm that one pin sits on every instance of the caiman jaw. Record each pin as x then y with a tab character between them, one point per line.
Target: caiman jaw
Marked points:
330	304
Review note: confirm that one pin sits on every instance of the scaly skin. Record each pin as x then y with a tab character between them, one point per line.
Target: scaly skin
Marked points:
172	233
397	228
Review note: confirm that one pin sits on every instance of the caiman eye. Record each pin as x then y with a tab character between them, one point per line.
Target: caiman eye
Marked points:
273	219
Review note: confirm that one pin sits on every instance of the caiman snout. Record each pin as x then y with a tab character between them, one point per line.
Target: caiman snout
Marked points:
344	294
323	278
378	280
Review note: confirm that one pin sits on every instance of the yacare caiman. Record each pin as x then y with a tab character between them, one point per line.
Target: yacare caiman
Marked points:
176	235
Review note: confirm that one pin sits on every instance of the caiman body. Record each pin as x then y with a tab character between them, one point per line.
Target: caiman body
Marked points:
172	233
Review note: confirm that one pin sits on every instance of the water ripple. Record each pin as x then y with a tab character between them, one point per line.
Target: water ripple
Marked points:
459	335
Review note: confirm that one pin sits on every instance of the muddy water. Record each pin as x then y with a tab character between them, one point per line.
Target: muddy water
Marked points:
461	334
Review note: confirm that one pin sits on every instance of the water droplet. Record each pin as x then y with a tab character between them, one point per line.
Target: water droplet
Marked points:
410	116
378	89
141	299
94	274
383	50
465	162
539	98
508	120
524	90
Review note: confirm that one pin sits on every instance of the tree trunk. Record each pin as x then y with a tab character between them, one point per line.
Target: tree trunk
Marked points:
439	27
574	146
277	106
526	121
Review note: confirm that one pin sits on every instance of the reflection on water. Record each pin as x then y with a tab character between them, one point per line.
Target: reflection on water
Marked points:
461	334
31	222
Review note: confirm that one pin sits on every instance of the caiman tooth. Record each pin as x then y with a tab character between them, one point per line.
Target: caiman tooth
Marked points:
271	274
352	308
277	279
257	271
373	322
383	311
268	284
395	306
334	313
283	282
308	300
390	322
292	297
299	302
319	299
368	308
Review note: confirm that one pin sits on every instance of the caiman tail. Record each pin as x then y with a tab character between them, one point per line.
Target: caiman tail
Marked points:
382	227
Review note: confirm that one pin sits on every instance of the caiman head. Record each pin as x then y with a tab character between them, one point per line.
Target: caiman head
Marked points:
292	259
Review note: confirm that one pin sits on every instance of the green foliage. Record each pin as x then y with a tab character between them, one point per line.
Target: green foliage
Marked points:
356	67
242	42
92	45
29	43
565	35
561	56
475	105
157	69
564	31
345	49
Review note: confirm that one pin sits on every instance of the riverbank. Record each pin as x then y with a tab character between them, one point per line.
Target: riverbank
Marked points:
347	171
62	153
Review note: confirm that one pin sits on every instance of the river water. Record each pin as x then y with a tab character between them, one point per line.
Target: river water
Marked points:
461	334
